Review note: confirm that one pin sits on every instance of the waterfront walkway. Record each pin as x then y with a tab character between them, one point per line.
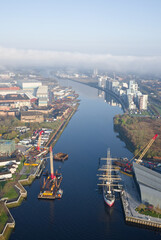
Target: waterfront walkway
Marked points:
130	200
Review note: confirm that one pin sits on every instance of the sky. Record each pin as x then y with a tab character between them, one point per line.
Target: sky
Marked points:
109	33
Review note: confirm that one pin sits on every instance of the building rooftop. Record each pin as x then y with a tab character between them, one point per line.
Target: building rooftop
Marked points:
14	97
28	113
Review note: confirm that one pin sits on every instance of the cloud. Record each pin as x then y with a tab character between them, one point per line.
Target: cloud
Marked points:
19	57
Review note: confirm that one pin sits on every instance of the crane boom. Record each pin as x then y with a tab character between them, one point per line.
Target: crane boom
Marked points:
39	141
146	148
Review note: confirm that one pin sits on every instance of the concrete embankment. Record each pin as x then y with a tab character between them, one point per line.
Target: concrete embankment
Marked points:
57	134
130	200
22	193
6	204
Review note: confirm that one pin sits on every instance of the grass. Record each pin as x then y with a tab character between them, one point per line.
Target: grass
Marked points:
3	220
158	108
28	181
2	184
52	125
23	177
149	213
3	217
11	193
145	113
28	170
6	234
16	204
20	166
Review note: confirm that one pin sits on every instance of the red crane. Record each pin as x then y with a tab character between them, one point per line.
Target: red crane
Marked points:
39	141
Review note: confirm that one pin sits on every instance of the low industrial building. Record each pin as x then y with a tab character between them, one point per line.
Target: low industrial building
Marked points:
5	174
8	161
9	113
8	89
44	110
15	100
32	117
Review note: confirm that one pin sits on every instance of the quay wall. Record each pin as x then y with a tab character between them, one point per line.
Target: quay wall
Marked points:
135	220
19	186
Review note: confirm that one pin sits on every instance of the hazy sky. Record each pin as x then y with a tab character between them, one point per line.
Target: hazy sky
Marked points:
93	27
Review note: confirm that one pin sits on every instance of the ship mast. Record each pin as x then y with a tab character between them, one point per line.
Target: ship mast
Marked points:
108	171
107	178
51	163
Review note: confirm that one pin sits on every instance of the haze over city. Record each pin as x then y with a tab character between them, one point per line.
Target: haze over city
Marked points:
112	35
80	119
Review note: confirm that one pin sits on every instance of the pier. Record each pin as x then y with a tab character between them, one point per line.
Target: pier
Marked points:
130	200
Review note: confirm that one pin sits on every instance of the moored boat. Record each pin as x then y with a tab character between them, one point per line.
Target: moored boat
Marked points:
108	181
60	156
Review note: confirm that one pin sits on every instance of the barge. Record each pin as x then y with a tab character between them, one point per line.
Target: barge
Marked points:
60	156
51	186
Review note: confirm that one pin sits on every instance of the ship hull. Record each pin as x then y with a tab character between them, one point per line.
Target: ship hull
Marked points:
109	198
109	202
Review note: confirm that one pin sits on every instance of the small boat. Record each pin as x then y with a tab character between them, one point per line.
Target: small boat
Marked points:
59	193
60	156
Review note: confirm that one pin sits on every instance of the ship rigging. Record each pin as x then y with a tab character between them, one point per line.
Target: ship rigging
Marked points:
109	180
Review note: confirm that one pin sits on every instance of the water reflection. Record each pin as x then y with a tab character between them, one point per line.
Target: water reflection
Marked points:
52	218
81	213
108	98
108	210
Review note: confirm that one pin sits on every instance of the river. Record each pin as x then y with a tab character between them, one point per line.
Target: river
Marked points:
81	214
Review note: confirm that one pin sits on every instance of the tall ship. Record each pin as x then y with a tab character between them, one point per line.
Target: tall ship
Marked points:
109	180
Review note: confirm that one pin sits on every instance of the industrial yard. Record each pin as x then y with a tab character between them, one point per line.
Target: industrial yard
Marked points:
23	154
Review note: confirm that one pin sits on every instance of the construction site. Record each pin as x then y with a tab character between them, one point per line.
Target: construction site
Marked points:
34	154
51	185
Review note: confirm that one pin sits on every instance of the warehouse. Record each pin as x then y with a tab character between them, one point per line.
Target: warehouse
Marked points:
32	117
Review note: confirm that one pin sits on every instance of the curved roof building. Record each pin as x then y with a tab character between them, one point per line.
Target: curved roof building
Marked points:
149	183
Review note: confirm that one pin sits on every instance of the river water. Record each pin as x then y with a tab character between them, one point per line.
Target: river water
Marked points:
81	214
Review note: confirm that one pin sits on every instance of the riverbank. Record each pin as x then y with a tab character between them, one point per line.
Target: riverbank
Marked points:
136	132
6	219
54	138
111	93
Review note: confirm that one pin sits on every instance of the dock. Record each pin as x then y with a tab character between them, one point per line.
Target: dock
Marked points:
41	167
130	200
